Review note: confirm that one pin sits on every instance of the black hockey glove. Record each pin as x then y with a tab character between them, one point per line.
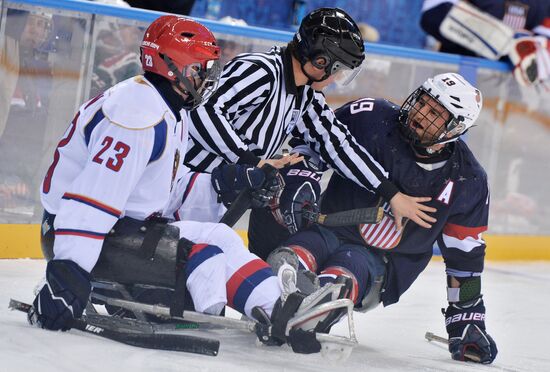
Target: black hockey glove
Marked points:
62	298
230	179
301	192
465	322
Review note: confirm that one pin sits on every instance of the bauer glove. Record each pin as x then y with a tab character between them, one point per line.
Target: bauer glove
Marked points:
465	322
301	193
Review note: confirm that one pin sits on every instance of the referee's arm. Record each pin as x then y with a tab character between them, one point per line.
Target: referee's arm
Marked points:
241	86
340	150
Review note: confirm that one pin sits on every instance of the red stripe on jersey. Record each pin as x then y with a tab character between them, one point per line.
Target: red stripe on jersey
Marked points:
307	258
83	234
93	100
94	203
196	249
189	186
462	232
240	276
546	22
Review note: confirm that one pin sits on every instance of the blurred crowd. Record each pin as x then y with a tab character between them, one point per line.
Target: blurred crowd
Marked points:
41	61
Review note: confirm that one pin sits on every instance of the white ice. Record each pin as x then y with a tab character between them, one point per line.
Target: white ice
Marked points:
391	339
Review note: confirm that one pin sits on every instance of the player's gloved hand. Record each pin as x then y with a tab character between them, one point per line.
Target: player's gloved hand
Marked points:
300	193
465	322
229	180
530	56
272	186
62	298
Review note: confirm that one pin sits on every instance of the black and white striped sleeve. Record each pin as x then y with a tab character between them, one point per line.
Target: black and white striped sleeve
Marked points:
243	86
338	148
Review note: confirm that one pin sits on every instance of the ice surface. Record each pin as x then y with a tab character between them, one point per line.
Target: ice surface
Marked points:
391	339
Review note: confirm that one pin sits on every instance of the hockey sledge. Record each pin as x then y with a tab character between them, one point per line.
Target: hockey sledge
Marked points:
154	326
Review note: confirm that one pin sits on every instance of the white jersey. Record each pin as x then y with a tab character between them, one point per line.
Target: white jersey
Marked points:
119	157
122	156
194	199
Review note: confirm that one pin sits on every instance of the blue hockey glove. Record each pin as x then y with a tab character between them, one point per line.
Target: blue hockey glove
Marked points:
62	298
301	192
230	179
465	322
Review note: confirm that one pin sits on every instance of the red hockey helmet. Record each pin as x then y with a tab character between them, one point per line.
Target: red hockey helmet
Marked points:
182	51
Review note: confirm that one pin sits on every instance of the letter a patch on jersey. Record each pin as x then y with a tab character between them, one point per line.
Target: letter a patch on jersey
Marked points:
445	195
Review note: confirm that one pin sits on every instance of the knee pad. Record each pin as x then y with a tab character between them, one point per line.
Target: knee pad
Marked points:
330	274
306	259
320	243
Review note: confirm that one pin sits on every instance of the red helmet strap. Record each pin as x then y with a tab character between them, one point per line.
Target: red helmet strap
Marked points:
180	78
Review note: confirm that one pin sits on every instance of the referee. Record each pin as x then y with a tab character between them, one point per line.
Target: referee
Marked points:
263	98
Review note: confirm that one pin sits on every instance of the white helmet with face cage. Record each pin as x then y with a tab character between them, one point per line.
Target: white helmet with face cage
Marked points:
460	98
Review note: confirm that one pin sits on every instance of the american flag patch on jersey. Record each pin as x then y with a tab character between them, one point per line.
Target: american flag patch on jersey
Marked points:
383	235
515	15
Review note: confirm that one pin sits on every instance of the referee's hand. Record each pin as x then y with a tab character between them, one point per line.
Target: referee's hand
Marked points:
282	162
404	206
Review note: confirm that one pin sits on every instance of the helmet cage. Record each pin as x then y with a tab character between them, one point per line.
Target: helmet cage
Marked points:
200	81
448	131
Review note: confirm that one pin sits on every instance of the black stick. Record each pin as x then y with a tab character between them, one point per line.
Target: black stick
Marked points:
170	342
347	218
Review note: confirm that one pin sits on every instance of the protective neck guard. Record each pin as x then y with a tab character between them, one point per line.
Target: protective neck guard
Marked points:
164	87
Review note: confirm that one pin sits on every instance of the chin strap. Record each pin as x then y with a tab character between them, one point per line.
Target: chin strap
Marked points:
189	88
310	79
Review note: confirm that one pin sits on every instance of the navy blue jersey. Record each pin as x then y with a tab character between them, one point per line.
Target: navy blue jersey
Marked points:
458	187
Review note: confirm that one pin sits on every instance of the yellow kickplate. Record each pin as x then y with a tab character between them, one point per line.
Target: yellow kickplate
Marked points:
23	241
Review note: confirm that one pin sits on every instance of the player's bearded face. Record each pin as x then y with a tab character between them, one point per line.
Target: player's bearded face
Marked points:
428	119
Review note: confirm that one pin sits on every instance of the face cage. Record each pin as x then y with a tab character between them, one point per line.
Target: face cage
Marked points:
452	128
209	79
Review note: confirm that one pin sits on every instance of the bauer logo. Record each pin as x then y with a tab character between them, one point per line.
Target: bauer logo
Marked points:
465	317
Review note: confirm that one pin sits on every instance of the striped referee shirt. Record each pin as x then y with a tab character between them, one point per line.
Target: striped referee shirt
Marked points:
258	105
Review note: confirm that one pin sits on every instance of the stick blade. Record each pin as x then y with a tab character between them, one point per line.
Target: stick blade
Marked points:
158	341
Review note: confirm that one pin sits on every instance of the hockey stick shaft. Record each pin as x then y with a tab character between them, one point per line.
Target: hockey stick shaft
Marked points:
348	218
431	337
170	342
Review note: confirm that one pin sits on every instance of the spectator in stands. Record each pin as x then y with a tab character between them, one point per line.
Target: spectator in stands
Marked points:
25	86
495	29
115	56
182	7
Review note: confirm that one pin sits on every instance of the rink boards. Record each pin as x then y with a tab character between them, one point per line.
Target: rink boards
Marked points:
23	241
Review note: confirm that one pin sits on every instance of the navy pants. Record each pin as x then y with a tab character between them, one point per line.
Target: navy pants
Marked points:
366	264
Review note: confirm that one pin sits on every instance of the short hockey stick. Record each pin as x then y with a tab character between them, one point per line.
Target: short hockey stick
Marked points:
170	342
431	337
347	218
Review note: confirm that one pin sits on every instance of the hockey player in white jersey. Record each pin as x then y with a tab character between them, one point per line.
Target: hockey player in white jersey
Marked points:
110	191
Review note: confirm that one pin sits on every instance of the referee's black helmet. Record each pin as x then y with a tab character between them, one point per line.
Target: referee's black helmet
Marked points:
330	39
